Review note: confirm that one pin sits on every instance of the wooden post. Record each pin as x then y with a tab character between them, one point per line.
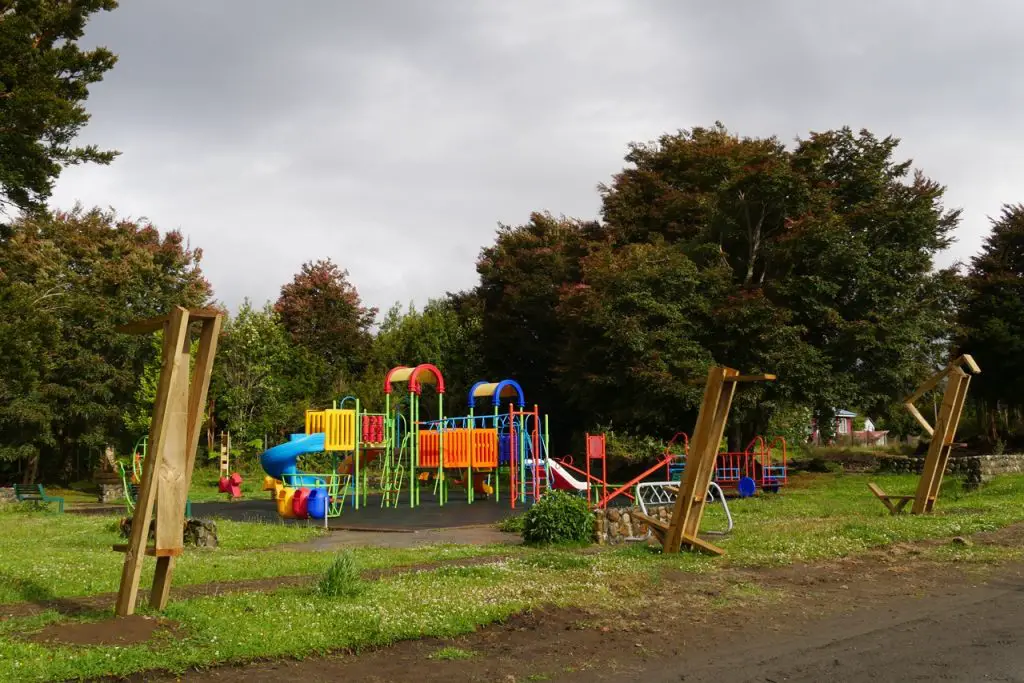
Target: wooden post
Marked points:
173	439
943	435
682	530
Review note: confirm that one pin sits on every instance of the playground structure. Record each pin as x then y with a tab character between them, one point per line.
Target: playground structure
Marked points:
943	435
692	494
499	440
471	451
172	442
229	482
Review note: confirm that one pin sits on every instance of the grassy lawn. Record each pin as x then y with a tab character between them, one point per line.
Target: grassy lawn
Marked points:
45	556
820	517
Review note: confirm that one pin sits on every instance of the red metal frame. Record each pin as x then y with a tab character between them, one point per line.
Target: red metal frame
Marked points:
756	462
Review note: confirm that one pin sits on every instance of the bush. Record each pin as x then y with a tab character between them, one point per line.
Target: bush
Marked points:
342	578
558	517
512	525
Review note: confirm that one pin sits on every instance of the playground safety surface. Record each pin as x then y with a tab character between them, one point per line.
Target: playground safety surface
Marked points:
371	516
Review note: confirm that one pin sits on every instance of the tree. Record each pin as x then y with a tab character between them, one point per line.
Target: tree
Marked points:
992	323
830	245
262	383
66	281
44	81
521	279
322	313
445	333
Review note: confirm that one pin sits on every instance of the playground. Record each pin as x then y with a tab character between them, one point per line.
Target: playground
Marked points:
306	565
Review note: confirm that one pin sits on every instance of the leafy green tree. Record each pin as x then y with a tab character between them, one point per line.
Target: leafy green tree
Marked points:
829	247
66	281
44	82
521	280
992	323
322	313
446	333
262	383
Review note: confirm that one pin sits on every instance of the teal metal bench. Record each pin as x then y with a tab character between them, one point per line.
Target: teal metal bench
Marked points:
131	494
26	492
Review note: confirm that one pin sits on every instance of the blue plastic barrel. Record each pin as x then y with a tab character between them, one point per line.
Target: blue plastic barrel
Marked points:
746	487
316	504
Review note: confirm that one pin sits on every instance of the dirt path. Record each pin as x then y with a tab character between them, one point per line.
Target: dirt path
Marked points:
887	615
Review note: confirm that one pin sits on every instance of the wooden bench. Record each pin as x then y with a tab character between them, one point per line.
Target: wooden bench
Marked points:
26	492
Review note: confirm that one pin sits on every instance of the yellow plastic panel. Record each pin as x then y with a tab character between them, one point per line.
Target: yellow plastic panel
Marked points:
314	421
339	430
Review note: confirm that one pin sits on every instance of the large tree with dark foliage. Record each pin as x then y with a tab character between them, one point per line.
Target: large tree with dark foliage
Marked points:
992	323
814	263
66	281
323	314
44	82
521	279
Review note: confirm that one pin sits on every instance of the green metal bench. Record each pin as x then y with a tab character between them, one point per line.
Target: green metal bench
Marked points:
26	492
131	494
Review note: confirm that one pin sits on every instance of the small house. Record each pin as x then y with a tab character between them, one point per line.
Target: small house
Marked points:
845	433
842	429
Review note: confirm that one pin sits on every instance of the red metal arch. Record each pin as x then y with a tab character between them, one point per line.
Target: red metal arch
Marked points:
387	377
414	378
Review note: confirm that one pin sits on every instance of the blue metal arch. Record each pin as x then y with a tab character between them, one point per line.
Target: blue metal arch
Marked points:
508	383
472	390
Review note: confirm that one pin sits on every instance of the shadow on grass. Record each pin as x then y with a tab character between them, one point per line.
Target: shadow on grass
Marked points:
36	598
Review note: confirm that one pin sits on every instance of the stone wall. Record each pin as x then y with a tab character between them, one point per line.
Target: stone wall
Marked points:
976	469
617	525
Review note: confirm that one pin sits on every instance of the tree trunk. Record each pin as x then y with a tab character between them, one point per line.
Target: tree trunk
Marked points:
31	470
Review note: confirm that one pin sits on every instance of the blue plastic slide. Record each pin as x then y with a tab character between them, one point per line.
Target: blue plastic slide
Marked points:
279	461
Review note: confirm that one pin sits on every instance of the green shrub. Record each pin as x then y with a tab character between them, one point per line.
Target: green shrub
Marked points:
342	578
631	450
558	517
512	525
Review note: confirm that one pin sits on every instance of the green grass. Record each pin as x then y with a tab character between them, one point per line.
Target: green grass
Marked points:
451	654
826	516
838	516
45	556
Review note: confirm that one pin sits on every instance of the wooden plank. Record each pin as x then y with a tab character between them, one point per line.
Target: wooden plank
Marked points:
968	360
928	385
700	544
751	378
650	521
691	526
197	393
150	325
938	450
916	414
876	489
175	331
698	452
146	326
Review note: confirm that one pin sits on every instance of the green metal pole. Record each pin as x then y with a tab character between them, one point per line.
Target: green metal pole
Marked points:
357	437
440	446
472	453
414	440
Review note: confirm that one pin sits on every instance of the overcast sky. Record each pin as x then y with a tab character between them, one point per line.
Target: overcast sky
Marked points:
394	135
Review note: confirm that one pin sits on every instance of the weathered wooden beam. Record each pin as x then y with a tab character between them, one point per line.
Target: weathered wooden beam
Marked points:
176	333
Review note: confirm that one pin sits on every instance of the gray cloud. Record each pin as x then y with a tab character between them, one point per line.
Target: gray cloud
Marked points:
393	136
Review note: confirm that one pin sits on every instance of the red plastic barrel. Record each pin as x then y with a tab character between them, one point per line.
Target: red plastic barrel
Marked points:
300	503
